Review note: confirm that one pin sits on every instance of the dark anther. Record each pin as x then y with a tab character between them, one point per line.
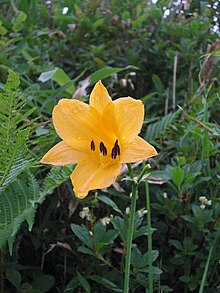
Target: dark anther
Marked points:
115	150
103	149
92	145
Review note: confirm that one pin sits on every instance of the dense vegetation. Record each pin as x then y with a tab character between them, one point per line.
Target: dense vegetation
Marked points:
167	55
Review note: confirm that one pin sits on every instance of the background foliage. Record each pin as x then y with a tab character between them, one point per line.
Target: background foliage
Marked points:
166	54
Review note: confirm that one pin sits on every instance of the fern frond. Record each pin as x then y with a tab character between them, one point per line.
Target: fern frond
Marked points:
14	159
156	129
19	201
19	198
16	206
55	178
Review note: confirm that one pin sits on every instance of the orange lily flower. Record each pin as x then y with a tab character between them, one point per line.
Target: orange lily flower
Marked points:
99	137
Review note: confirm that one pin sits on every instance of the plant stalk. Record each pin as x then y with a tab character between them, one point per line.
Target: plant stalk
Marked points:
2	270
150	276
130	233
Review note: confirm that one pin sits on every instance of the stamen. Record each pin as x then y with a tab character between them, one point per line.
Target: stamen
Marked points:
103	149
92	145
115	150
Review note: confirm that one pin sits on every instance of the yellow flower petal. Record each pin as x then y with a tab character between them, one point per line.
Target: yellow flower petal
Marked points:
89	175
99	97
137	150
62	154
124	117
76	123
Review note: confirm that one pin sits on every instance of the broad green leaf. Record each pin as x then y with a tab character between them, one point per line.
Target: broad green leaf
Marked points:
110	203
86	250
106	283
59	76
106	72
14	277
158	83
185	279
99	232
21	17
83	234
177	176
110	235
176	244
192	286
44	283
119	225
84	282
156	271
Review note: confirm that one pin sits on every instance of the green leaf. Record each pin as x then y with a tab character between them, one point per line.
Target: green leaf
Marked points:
188	218
83	234
176	244
159	175
177	176
192	286
84	282
110	235
59	76
73	284
99	232
106	283
44	283
158	83
3	30
185	279
197	211
14	277
86	250
21	17
106	72
156	271
119	225
110	203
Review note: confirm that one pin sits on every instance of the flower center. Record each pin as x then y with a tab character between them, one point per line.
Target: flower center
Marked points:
110	153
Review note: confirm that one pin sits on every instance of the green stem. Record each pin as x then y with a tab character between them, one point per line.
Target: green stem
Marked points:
130	233
2	270
149	238
205	272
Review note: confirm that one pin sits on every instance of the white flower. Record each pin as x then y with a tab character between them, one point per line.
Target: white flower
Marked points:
82	214
209	202
86	210
165	195
105	221
85	213
127	211
202	206
141	213
203	199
